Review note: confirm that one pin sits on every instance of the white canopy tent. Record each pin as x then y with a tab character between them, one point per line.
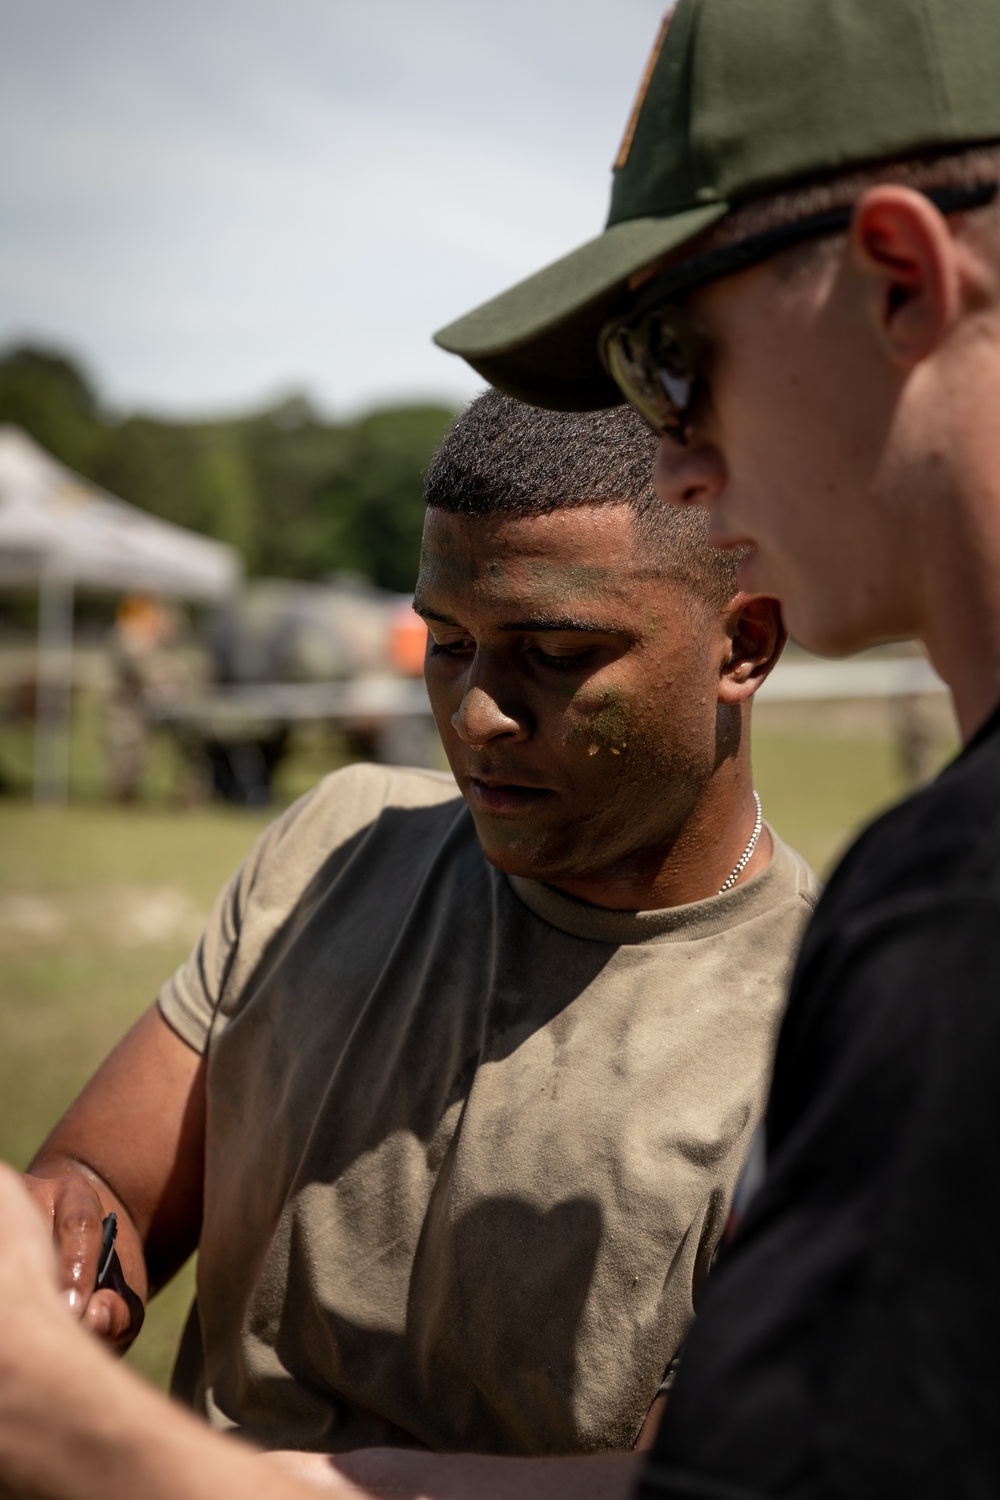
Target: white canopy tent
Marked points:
59	533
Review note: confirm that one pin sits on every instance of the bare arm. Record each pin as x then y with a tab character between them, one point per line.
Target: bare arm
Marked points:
410	1475
75	1424
132	1143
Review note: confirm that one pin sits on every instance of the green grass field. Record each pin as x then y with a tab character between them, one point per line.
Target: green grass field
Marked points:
97	907
99	904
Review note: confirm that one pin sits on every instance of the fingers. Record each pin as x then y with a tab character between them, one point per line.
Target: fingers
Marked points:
109	1317
115	1313
26	1259
18	1212
313	1468
76	1227
75	1210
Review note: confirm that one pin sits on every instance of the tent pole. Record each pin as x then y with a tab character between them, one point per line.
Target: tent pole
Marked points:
54	692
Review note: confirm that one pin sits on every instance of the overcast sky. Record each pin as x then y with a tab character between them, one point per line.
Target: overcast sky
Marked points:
215	202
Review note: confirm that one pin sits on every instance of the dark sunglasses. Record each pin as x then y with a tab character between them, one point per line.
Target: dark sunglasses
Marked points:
652	351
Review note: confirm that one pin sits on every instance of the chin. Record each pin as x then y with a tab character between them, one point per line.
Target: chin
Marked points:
831	636
514	861
523	857
836	643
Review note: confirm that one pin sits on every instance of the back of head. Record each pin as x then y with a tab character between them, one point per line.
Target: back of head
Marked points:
742	99
505	458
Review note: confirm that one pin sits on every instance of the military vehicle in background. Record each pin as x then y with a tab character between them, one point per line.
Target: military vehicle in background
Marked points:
283	653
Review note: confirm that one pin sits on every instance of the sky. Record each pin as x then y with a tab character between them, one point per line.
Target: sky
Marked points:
218	203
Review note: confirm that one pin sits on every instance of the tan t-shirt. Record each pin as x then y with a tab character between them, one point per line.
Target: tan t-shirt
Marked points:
470	1143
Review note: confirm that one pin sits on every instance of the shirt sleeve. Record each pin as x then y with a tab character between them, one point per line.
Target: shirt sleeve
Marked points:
189	1001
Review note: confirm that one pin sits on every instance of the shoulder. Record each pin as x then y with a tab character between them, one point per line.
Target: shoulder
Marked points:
763	921
905	922
793	877
358	792
365	788
780	899
344	808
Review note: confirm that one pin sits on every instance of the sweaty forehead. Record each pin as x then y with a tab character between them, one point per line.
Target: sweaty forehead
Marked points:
566	556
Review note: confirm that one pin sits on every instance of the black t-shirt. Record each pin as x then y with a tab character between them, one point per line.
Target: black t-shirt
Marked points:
847	1344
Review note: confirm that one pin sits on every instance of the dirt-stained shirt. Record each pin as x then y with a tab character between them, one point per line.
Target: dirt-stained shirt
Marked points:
470	1142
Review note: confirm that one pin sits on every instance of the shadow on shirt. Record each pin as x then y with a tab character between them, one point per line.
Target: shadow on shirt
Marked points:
393	1063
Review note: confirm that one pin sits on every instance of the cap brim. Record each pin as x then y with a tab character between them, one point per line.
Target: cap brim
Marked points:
538	341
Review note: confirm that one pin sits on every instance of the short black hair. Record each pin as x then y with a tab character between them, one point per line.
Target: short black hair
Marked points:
503	457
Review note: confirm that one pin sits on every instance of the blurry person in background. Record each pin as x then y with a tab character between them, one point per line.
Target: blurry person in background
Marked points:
142	668
454	1092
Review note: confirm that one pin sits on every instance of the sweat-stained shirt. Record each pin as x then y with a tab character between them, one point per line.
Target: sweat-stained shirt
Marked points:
470	1142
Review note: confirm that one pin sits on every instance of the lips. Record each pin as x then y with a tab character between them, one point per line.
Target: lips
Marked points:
499	797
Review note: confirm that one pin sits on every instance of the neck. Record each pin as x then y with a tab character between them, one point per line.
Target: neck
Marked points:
973	678
960	618
698	860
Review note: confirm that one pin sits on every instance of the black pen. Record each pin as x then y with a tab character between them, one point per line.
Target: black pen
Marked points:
109	1235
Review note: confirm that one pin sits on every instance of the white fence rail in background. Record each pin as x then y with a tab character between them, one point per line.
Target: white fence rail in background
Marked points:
875	677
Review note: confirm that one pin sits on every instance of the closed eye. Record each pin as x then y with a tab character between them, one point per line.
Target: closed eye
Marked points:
461	647
575	661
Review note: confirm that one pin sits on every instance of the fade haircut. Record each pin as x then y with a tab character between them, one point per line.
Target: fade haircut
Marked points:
505	458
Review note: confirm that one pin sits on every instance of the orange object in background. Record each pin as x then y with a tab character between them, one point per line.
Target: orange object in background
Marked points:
146	623
407	640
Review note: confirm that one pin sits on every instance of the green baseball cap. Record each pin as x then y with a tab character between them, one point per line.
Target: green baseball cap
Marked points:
740	97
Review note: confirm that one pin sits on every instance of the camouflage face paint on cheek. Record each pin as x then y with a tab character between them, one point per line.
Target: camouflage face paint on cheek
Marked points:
604	723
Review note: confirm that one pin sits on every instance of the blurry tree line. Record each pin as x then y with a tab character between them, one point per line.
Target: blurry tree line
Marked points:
298	495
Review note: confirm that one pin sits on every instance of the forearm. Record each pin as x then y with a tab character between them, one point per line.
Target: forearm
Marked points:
75	1425
135	1136
409	1475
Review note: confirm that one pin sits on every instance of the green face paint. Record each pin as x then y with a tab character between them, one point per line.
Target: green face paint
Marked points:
605	723
561	668
568	584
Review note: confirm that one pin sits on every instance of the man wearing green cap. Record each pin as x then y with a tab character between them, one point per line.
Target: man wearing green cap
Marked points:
799	288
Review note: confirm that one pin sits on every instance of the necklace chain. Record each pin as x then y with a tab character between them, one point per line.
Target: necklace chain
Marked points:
747	854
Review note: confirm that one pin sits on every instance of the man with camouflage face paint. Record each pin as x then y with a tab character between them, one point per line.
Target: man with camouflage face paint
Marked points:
453	1093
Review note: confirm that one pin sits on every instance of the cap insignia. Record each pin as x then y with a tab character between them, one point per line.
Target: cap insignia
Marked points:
640	98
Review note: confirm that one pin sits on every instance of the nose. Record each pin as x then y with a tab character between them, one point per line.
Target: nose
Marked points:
480	718
689	473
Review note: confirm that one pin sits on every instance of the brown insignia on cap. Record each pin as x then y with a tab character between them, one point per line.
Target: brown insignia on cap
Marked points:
640	98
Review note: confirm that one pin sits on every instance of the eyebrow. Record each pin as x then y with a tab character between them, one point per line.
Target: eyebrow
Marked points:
539	624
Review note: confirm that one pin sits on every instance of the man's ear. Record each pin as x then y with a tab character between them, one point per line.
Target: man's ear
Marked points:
757	637
913	265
